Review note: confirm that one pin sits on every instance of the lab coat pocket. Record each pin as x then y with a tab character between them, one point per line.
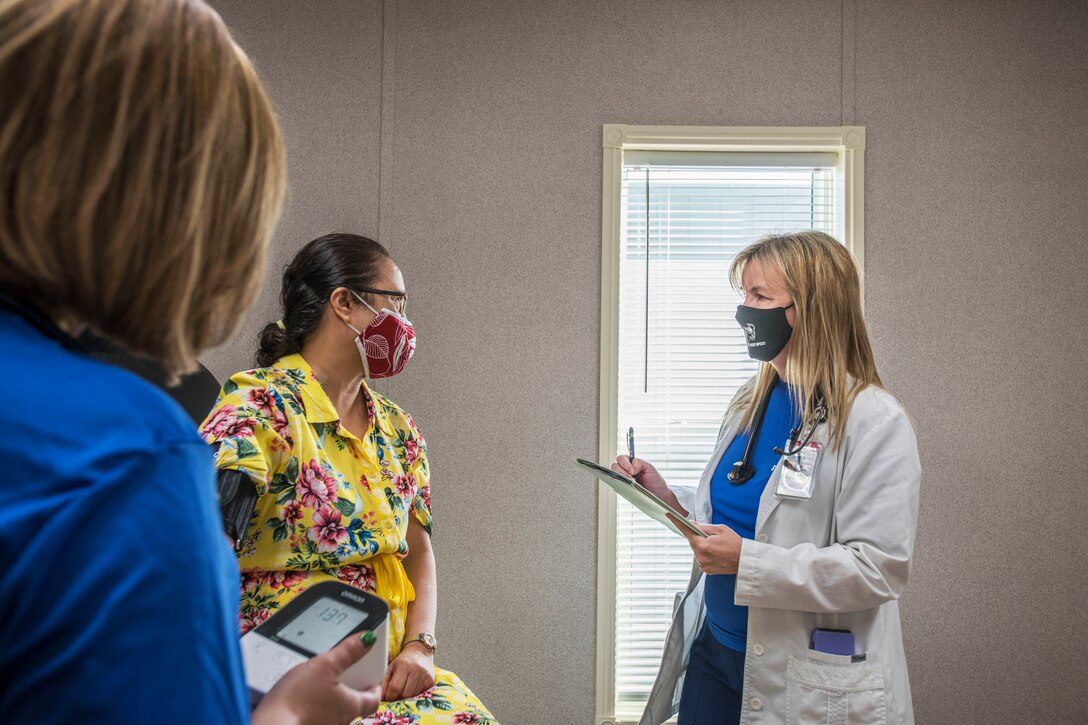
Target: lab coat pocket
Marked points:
831	689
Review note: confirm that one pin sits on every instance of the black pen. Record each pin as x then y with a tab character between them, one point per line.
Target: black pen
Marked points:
631	444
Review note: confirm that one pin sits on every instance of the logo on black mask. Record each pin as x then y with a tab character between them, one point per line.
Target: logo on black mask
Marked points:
768	338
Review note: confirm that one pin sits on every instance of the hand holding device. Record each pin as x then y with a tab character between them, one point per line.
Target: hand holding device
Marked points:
312	692
310	625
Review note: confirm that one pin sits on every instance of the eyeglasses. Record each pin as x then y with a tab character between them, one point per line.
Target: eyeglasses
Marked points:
399	299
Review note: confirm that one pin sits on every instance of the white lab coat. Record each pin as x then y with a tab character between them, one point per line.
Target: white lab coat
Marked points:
838	561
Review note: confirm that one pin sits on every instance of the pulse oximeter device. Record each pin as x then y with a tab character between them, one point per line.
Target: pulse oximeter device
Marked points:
314	622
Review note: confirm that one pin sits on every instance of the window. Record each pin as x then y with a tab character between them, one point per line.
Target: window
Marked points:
678	205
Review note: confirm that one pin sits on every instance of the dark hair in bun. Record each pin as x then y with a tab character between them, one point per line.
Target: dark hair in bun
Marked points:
328	262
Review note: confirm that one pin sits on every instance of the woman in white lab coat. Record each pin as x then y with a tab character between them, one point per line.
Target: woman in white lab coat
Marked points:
790	615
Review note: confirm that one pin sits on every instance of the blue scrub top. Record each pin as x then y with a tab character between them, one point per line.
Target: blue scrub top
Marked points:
737	506
118	590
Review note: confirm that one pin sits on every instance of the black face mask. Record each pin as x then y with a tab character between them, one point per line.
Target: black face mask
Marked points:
765	331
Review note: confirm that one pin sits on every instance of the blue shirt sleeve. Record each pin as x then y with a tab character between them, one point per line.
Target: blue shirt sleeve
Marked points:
120	598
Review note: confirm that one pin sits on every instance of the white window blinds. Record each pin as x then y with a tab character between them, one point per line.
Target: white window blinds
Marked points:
681	354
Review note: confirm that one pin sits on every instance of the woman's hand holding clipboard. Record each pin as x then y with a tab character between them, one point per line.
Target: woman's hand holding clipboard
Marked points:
717	550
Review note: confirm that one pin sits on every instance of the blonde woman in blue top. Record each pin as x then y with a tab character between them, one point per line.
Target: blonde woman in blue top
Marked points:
791	612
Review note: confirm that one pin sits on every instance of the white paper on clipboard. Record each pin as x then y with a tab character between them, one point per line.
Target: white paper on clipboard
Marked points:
640	498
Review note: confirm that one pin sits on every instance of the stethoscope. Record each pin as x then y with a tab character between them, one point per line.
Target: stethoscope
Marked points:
743	470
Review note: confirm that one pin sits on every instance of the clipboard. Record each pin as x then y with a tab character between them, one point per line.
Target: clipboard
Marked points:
639	497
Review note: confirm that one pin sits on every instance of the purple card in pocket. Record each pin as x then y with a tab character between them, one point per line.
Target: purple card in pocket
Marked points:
833	641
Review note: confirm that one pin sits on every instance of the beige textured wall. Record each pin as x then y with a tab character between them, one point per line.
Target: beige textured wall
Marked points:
482	120
322	66
976	210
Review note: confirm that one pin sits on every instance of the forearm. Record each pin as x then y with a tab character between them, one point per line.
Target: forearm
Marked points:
420	567
683	501
836	578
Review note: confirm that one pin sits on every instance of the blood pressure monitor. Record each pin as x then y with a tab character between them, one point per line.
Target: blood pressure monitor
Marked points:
312	623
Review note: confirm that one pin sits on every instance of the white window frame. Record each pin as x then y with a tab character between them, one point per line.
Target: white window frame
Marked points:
848	142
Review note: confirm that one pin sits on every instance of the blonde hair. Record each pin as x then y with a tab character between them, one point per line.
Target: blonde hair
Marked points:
142	170
830	353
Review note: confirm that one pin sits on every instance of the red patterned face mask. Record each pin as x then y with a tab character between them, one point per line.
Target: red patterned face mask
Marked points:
387	343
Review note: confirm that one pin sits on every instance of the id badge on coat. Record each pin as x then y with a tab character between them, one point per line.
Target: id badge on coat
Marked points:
799	471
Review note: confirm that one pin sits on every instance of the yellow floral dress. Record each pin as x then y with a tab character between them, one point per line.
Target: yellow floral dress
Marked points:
330	506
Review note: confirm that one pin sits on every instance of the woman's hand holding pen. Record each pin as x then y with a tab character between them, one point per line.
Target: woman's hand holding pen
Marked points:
719	551
648	477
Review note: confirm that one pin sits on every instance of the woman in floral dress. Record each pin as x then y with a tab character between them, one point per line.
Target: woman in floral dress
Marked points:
341	472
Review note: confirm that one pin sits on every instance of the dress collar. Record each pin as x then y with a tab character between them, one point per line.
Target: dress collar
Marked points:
315	401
